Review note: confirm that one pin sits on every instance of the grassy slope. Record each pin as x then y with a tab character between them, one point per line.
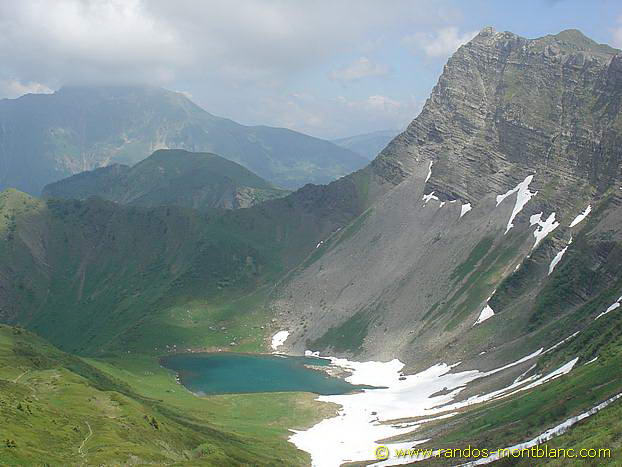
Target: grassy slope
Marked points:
527	414
170	177
95	277
65	262
603	430
50	402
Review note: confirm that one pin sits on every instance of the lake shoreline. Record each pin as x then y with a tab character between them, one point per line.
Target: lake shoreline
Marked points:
219	373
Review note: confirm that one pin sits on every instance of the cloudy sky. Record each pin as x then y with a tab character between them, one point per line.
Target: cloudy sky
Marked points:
328	68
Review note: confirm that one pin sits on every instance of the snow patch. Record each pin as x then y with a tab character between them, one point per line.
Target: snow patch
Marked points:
562	342
486	313
558	257
428	197
556	260
581	216
279	339
543	227
465	208
522	375
612	307
548	434
429	172
522	198
518	386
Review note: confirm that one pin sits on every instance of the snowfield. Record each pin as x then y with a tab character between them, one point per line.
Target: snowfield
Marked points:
522	198
357	430
558	257
543	227
486	313
581	216
279	339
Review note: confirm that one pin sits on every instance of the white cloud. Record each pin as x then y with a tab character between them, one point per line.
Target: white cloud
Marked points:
87	41
440	43
379	104
361	68
158	41
382	103
12	88
242	59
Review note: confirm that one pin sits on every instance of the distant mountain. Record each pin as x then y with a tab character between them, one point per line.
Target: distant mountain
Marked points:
47	137
170	176
367	145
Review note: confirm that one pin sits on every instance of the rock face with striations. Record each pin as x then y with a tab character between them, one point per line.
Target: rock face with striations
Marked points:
455	233
506	106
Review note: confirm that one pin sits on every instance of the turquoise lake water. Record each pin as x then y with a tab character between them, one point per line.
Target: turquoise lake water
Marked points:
227	373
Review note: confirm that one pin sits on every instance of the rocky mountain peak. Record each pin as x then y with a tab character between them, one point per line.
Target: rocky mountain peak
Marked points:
487	31
506	107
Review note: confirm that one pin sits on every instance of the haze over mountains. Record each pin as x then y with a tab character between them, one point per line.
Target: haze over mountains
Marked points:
482	248
82	128
367	145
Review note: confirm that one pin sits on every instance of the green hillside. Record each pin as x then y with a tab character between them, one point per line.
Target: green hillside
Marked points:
174	176
94	276
526	415
58	409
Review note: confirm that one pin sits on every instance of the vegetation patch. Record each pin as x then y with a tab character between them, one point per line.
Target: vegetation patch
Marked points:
347	337
474	258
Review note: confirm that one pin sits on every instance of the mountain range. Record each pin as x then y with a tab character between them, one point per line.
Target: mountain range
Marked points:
47	137
482	245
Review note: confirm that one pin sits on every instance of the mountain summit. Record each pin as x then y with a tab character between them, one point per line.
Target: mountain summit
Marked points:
170	176
506	106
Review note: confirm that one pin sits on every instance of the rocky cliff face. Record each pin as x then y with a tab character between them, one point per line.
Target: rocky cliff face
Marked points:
518	137
506	106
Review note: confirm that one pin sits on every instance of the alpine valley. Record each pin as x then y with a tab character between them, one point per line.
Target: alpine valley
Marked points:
467	281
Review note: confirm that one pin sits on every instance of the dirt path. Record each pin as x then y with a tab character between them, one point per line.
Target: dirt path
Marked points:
85	440
18	378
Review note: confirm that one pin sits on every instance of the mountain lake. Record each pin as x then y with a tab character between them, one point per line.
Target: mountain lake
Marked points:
236	373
